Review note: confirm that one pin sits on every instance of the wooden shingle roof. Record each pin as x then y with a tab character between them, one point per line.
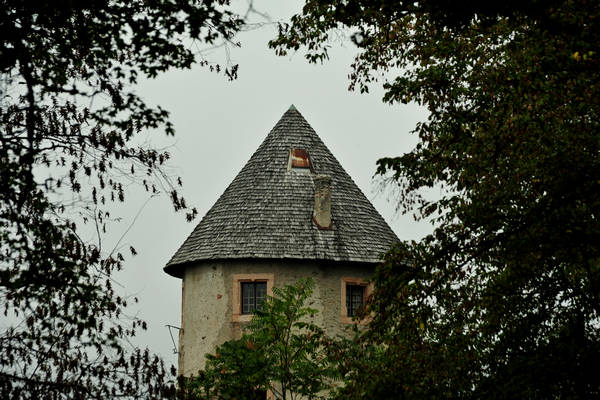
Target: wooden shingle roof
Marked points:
266	212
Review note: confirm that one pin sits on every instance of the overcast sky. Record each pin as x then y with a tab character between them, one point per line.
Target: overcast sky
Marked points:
219	125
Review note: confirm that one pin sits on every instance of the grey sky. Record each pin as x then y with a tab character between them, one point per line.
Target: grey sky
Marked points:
220	124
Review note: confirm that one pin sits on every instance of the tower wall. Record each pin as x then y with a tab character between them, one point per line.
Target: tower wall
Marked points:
209	313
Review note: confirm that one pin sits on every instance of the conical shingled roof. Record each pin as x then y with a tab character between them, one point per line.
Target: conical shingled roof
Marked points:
266	212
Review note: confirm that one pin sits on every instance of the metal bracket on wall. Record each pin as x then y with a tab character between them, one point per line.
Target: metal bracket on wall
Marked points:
172	339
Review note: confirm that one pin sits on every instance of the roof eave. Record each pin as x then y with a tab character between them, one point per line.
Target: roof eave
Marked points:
177	269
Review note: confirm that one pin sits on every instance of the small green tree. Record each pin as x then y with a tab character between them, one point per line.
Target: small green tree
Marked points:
283	351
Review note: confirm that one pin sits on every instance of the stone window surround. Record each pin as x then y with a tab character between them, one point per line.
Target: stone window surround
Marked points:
344	318
236	298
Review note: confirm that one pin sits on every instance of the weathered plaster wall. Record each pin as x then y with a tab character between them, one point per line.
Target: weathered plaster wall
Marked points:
207	300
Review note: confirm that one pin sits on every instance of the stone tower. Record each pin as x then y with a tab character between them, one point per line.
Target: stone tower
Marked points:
291	212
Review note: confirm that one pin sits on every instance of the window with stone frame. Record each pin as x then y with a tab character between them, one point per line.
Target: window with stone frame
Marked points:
354	293
248	292
355	297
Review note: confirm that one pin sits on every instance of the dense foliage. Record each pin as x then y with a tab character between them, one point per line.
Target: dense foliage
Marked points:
71	141
502	300
282	351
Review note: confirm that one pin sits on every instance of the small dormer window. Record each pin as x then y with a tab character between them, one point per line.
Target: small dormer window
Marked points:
299	159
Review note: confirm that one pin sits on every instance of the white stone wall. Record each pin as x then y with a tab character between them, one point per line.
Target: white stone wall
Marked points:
207	300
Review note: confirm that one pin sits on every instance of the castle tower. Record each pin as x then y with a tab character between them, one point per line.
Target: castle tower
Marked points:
291	212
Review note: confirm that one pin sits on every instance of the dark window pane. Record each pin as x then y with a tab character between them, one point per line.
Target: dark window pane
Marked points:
357	298
247	297
354	299
348	300
261	294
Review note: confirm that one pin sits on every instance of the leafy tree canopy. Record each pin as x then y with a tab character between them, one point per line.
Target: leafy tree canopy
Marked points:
71	141
502	300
